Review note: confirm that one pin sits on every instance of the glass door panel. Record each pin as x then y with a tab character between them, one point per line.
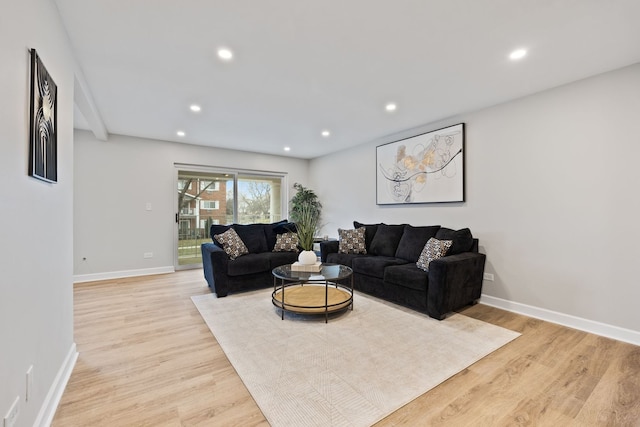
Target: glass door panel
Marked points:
259	199
203	199
206	197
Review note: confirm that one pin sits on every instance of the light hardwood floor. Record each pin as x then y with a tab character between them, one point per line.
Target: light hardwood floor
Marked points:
148	359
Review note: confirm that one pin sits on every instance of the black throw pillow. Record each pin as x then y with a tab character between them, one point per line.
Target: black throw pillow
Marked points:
462	239
284	227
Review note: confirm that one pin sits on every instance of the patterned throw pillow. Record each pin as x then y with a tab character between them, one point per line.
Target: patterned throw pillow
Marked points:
286	242
352	241
434	249
232	243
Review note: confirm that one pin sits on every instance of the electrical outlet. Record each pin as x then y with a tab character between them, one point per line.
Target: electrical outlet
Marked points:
148	206
29	383
148	255
488	276
12	416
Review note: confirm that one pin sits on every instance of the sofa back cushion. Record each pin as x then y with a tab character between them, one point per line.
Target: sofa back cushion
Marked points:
385	241
462	239
257	237
284	226
370	231
413	241
253	236
476	245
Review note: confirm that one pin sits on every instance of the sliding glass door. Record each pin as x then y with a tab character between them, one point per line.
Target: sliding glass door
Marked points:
202	201
209	196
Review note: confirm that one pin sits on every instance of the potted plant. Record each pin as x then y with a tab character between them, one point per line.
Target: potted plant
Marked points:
305	213
303	197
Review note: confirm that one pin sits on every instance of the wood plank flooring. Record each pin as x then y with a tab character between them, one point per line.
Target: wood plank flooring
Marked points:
148	359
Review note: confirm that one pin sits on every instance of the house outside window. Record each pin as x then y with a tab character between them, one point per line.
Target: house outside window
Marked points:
204	223
209	186
181	184
209	204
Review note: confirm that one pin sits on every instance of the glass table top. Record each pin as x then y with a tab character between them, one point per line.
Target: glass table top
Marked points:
327	272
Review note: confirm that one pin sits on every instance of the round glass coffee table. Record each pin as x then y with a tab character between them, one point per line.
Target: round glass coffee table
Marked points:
327	291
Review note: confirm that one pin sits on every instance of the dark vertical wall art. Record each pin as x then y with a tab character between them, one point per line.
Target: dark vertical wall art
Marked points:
43	153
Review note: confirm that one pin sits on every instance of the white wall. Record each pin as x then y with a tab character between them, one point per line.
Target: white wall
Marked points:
114	180
552	194
36	294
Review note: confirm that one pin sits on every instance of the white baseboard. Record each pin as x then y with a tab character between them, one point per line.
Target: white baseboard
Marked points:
591	326
48	409
79	278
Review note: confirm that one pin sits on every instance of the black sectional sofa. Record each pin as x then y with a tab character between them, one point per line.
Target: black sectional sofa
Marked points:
388	269
250	271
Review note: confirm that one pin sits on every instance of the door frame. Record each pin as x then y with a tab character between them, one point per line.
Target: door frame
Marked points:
233	174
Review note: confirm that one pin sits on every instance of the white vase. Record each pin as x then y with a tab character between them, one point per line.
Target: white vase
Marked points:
307	257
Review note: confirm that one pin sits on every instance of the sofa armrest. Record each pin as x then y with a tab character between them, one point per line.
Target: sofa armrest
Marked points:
214	263
454	282
327	247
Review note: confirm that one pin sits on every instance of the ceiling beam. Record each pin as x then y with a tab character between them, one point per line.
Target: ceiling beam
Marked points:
84	101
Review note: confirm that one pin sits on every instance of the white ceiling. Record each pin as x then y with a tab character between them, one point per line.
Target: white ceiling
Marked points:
304	66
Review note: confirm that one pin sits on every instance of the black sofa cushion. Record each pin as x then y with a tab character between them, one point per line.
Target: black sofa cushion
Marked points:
276	259
385	242
284	227
370	231
413	241
375	265
462	239
344	259
407	276
253	236
250	264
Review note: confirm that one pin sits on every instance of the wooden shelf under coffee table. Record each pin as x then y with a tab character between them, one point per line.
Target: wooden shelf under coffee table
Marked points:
303	292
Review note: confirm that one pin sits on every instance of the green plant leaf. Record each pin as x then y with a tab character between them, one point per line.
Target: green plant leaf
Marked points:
303	197
307	226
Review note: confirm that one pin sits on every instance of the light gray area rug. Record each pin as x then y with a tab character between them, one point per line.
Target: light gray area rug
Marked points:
360	367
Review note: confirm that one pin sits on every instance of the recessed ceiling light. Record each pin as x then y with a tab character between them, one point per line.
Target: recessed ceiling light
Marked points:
225	54
517	54
391	107
195	108
326	133
287	148
180	133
